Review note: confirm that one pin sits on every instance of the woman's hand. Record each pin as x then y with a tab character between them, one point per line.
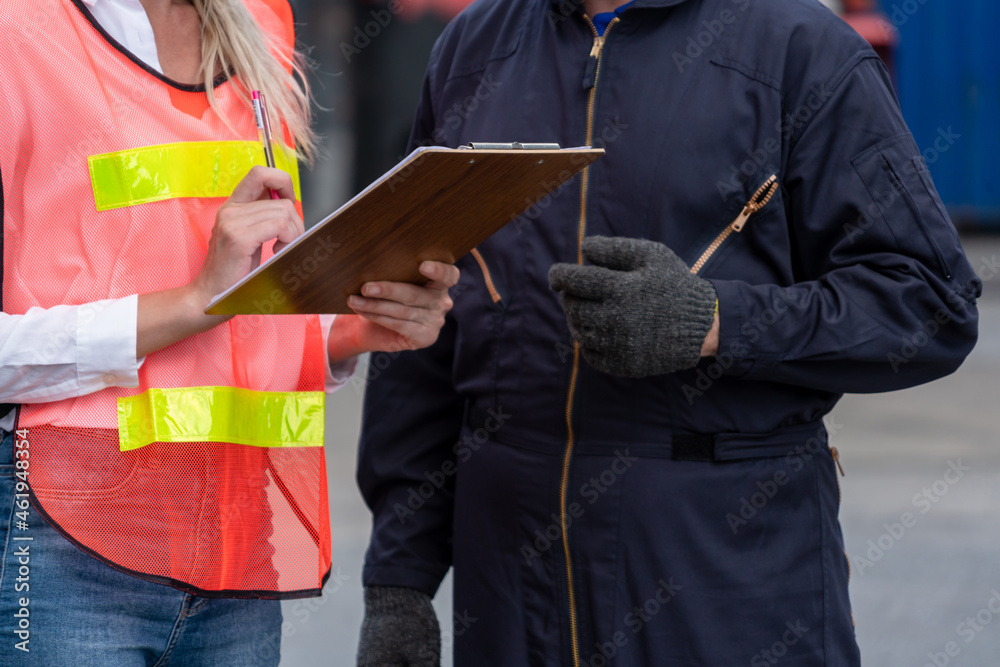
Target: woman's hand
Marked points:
247	220
395	316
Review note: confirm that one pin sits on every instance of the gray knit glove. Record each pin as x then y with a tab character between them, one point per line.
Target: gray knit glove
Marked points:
400	629
638	311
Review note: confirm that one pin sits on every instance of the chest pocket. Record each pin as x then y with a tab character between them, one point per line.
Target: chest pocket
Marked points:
760	198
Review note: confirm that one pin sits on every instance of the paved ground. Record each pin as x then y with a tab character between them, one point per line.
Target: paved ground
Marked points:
915	587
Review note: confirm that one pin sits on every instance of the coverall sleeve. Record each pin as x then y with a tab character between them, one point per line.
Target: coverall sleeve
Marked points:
406	465
884	297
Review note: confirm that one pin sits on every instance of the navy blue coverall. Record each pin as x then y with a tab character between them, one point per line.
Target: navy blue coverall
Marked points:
690	518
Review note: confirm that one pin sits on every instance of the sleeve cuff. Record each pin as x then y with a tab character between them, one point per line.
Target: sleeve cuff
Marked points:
106	343
403	577
338	374
736	352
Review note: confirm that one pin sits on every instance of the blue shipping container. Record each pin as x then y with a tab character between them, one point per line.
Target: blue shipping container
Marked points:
948	80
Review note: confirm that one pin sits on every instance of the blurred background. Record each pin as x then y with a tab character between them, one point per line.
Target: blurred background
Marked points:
914	588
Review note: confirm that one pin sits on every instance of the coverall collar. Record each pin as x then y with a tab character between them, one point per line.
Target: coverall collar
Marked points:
638	3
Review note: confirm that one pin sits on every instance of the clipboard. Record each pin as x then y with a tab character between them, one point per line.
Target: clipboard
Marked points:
436	204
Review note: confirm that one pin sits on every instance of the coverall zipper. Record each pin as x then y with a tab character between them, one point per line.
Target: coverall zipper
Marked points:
836	457
758	201
490	286
590	81
840	499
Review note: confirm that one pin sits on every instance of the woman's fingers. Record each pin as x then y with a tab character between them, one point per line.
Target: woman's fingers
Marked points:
411	335
398	310
283	211
261	221
258	183
408	295
241	228
239	240
295	228
412	313
443	275
432	295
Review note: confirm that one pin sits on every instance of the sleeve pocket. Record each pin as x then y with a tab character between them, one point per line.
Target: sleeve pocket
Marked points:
902	192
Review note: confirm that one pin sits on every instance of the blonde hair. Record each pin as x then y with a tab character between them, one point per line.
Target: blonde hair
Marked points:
233	43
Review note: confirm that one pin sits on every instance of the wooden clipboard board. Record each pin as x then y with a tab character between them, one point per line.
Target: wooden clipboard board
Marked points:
437	204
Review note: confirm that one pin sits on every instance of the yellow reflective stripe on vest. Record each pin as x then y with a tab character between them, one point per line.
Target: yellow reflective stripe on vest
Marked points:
221	414
170	171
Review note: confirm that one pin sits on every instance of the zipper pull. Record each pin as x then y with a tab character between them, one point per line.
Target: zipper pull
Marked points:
595	55
836	459
757	202
742	218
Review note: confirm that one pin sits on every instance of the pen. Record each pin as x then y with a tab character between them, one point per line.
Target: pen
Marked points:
264	131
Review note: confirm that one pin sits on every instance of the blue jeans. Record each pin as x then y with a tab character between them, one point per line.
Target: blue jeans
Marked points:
67	608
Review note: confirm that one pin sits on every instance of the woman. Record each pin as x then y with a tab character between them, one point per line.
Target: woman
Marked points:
176	457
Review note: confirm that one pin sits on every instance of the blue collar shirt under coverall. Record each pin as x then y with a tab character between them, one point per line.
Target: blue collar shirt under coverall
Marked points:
691	518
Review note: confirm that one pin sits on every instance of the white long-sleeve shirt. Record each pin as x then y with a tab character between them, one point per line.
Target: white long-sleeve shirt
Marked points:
127	23
69	351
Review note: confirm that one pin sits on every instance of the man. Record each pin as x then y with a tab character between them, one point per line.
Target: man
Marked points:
617	442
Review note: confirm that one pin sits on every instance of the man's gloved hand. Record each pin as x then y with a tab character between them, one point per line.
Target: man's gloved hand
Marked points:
400	629
638	311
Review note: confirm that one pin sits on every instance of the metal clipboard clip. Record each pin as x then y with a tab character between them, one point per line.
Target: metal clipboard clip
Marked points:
510	147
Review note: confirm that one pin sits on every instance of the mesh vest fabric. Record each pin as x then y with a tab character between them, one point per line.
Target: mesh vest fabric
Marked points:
219	519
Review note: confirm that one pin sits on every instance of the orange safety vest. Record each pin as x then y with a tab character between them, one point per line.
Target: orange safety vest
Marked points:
210	476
